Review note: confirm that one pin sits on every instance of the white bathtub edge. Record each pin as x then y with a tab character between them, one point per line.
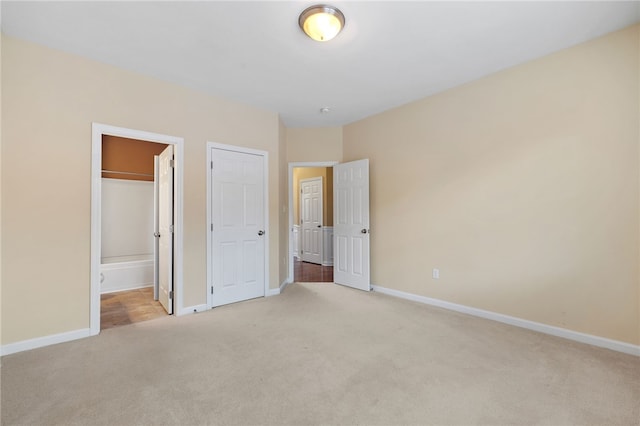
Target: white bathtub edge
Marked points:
122	276
119	290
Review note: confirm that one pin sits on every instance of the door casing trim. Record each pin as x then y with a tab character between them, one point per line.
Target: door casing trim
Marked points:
97	130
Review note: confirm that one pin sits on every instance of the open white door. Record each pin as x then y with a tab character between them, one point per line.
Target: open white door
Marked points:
238	226
156	226
165	229
351	224
311	219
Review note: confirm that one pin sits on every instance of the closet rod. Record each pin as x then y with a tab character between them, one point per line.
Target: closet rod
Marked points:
127	173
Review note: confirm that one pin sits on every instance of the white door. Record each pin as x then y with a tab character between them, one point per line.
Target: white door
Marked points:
165	229
156	226
238	226
351	224
311	219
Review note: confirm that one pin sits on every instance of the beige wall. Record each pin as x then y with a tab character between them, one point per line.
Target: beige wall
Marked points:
314	144
50	99
521	187
326	173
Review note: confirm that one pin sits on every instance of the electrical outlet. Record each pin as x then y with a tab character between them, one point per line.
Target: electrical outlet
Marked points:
436	273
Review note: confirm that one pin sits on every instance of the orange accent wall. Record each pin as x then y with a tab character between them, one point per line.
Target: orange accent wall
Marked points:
129	156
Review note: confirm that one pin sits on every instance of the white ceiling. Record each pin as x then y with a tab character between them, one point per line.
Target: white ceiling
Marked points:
390	52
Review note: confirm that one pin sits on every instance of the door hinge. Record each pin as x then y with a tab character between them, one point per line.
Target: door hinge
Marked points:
212	165
172	163
171	294
212	227
171	229
211	289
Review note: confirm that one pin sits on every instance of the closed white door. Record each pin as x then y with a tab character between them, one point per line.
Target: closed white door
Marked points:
165	229
238	226
311	219
351	224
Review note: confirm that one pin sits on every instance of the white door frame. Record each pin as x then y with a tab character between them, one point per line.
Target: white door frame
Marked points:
97	130
291	207
209	223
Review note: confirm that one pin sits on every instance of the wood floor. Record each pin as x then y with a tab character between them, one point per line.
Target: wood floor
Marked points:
128	307
304	272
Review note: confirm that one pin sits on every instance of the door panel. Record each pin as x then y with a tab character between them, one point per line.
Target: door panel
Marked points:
238	248
165	229
311	219
351	224
156	227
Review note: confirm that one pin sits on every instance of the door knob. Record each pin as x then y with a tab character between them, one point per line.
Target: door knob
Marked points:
364	231
156	234
319	226
260	232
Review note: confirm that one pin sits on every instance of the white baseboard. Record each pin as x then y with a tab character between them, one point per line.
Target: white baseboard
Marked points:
279	290
602	342
327	263
284	284
40	342
192	310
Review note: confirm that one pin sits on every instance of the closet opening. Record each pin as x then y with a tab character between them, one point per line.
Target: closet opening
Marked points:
132	181
166	265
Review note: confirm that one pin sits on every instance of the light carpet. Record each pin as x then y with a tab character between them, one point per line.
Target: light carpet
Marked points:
320	354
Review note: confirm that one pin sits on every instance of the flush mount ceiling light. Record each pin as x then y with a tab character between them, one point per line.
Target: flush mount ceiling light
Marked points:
321	22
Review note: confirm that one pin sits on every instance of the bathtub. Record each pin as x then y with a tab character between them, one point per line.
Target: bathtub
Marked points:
126	273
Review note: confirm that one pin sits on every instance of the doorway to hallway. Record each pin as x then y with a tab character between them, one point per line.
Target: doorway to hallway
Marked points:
305	272
312	223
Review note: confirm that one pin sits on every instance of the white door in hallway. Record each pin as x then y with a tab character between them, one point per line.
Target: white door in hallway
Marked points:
238	226
311	219
351	224
165	229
